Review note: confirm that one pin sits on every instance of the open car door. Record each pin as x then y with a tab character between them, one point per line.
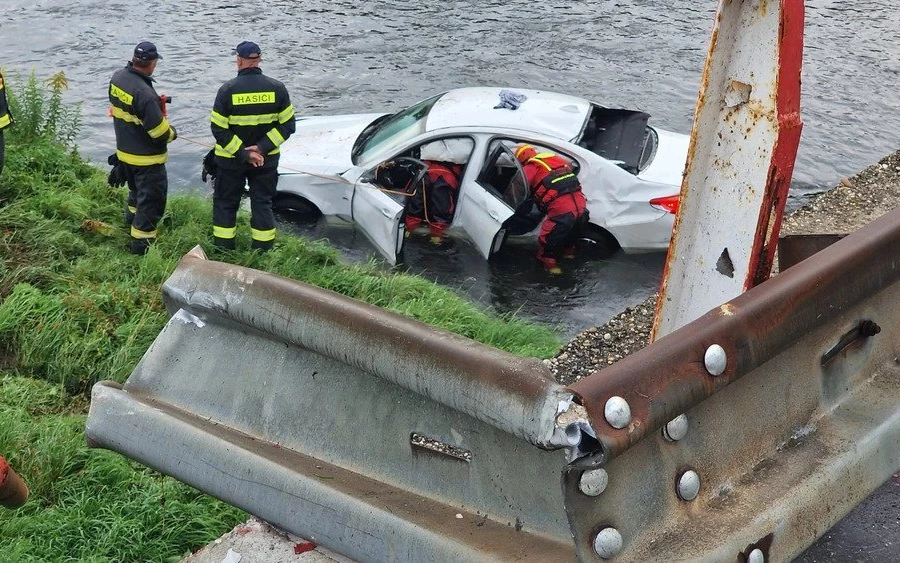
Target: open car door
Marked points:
486	204
379	198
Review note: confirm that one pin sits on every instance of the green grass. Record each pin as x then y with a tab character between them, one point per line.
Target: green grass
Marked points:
76	308
91	505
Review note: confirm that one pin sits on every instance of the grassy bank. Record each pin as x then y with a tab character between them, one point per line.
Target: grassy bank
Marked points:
76	308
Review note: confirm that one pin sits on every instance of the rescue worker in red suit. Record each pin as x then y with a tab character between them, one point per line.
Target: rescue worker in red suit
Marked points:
434	200
557	193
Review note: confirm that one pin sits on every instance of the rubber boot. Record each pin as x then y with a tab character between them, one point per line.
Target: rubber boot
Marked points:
550	265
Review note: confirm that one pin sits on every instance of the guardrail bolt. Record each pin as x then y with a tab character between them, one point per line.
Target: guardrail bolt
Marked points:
593	482
756	556
608	543
688	485
715	360
617	412
676	429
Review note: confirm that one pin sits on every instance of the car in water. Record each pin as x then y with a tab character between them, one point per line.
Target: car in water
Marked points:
630	172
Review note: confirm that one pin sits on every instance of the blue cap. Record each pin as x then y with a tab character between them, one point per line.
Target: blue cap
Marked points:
146	51
247	50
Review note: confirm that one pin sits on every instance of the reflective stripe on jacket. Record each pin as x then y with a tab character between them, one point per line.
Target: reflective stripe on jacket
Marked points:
5	117
142	131
251	109
549	176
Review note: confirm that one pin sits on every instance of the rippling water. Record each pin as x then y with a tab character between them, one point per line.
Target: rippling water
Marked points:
366	56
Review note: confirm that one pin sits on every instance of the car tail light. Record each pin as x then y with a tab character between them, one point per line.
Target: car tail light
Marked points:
668	203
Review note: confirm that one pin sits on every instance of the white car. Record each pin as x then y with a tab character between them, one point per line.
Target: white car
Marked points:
630	172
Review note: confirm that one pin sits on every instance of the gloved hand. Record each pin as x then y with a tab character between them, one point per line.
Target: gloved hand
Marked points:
174	132
209	165
118	175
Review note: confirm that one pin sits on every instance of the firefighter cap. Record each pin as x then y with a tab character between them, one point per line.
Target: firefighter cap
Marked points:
146	51
247	50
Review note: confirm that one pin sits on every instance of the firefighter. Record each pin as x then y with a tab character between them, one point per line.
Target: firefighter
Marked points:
5	121
434	201
142	134
556	192
251	117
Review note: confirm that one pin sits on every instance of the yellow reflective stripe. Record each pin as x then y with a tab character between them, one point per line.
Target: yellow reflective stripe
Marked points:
233	146
137	233
543	155
120	113
132	209
117	92
286	114
5	120
539	161
247	98
160	129
219	119
276	151
274	135
260	119
221	152
224	232
563	177
141	159
262	236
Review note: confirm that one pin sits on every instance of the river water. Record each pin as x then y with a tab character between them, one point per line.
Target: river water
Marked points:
342	56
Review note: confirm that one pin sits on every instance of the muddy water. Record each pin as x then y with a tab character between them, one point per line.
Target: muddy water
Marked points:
344	56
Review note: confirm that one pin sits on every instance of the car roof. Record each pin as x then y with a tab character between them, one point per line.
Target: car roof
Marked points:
547	113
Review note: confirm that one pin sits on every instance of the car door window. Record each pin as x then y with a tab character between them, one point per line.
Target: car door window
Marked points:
502	174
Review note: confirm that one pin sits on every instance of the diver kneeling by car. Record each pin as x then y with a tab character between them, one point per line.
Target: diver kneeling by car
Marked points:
555	190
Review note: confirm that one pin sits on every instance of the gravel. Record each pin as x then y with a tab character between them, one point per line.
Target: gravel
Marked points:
853	203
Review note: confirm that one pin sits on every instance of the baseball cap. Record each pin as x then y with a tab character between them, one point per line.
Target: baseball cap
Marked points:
247	50
146	51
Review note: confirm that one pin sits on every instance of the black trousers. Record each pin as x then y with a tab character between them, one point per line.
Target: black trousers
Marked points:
227	192
148	188
2	151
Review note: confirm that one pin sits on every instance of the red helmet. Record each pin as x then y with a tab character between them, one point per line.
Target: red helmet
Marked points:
524	153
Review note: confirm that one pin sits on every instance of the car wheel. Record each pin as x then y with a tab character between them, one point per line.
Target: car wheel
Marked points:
597	242
296	208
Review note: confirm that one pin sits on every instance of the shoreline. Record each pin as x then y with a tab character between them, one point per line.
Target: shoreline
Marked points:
853	203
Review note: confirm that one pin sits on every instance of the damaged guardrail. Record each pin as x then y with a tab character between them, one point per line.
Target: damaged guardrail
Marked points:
367	432
745	434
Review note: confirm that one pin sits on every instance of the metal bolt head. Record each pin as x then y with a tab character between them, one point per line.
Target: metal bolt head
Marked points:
593	482
617	412
715	360
608	543
676	429
756	556
689	485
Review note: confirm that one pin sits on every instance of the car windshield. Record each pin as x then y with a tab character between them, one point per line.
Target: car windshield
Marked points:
388	132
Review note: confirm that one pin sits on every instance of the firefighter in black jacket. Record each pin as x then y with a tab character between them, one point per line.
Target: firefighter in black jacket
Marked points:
252	116
142	133
5	121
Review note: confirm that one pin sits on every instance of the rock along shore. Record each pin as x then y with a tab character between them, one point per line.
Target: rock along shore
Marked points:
855	202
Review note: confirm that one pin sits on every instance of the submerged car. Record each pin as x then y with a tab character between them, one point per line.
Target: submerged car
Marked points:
630	172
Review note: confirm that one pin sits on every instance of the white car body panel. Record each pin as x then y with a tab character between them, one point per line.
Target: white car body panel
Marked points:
379	218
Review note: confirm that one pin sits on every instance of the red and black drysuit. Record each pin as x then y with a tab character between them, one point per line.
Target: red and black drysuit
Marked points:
435	199
556	191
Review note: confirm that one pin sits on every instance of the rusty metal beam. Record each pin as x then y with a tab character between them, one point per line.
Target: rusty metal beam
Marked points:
669	377
740	160
13	490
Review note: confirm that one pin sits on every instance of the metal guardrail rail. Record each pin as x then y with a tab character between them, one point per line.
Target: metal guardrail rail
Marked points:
316	412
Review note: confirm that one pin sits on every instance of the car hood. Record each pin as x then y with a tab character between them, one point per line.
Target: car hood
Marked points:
667	166
323	144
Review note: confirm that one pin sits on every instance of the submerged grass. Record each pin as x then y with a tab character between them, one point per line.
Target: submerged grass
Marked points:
76	308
